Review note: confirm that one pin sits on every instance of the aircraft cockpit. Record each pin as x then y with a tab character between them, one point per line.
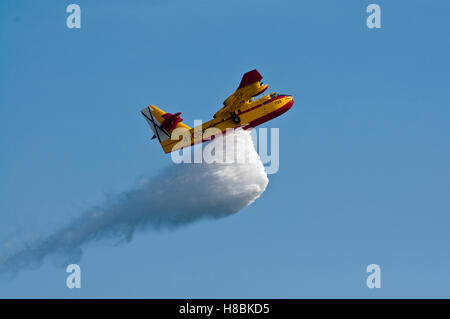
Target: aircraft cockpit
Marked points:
274	95
277	94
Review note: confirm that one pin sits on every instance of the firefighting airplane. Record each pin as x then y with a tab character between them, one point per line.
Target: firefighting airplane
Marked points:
240	110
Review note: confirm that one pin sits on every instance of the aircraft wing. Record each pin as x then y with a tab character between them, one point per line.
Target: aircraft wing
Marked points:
249	87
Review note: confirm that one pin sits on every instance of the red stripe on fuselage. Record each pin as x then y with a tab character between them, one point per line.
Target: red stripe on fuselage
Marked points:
254	123
270	116
256	106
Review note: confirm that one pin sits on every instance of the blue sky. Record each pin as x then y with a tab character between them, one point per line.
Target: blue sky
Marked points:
364	152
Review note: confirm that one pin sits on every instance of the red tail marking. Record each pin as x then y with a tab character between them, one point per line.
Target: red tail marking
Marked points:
171	121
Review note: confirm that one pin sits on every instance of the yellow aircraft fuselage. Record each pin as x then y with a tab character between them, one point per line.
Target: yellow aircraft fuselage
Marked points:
252	114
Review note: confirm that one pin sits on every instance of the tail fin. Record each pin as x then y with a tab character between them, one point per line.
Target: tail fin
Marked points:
162	123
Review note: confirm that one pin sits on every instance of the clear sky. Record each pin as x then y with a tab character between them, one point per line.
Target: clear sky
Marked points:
364	154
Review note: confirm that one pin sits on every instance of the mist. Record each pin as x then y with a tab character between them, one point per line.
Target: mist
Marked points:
180	194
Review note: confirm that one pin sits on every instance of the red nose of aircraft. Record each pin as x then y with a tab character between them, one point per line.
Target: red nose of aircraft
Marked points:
289	104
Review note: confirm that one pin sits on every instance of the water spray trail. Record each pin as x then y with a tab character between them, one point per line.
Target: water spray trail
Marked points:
179	195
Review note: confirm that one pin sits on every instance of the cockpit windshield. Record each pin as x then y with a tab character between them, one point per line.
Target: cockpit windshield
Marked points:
274	95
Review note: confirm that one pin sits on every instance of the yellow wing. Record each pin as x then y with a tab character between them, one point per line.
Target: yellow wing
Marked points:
249	87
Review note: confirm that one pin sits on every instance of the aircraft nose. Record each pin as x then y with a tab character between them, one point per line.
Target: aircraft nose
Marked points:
290	102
